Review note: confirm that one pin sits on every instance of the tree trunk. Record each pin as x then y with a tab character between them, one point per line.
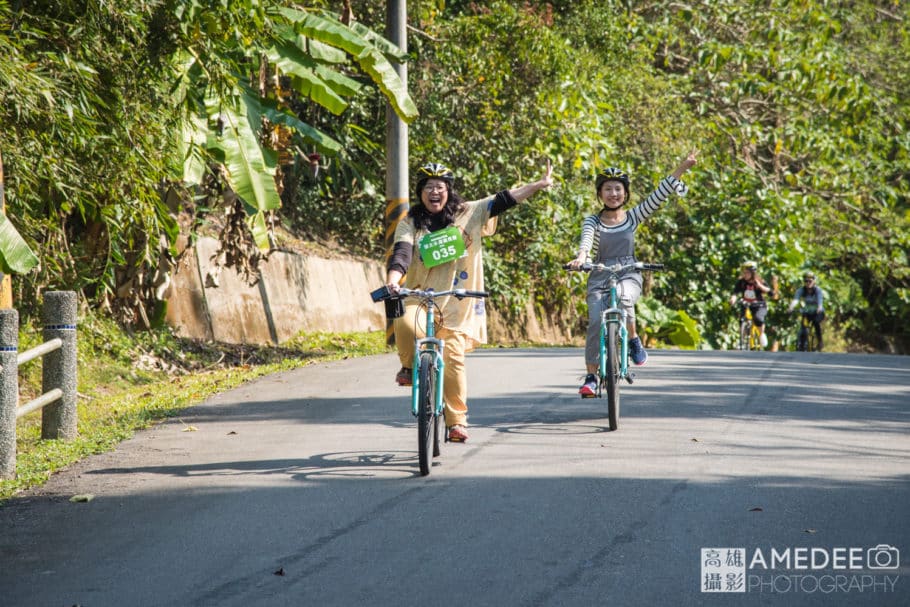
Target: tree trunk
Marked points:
6	284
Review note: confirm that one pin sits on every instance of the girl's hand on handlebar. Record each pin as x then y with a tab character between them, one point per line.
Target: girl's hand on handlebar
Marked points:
392	281
575	264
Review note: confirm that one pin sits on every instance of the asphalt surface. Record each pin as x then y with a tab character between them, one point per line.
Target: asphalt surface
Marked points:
770	479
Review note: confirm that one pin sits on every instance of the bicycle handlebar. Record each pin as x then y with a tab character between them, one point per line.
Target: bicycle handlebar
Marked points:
431	294
617	267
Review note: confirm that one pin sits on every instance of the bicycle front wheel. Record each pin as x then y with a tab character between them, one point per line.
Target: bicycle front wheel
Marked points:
612	375
426	412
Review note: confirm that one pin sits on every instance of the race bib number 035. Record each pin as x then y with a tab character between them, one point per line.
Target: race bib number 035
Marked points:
441	246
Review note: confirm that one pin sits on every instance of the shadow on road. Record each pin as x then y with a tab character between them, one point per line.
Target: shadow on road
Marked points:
544	506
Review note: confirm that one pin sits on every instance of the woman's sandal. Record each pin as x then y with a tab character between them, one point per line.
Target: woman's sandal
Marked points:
457	433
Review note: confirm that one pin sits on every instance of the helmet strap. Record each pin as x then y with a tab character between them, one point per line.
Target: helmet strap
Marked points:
612	211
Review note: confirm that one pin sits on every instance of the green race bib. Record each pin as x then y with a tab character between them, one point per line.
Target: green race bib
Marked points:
441	246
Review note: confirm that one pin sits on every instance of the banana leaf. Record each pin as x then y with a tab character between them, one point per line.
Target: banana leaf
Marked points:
250	167
15	255
370	58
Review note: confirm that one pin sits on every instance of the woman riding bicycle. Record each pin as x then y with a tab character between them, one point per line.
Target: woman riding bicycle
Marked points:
751	290
812	297
608	237
461	323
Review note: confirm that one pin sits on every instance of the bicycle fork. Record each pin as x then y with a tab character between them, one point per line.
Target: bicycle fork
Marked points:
609	316
437	347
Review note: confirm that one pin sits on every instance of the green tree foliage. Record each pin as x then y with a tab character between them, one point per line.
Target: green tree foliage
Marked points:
508	88
82	152
802	108
107	104
228	64
797	108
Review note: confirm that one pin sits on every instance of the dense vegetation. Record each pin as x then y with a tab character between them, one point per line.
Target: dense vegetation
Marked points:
798	109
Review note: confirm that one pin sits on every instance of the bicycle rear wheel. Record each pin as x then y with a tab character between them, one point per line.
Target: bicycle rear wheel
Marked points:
427	426
811	340
612	378
745	330
802	340
436	423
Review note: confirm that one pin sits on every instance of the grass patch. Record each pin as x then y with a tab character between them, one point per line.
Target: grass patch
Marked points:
130	382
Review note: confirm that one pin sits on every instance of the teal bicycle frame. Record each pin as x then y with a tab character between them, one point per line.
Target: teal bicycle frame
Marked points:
614	315
428	366
613	355
430	343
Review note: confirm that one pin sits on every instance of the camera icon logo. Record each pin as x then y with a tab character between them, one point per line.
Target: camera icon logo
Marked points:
883	556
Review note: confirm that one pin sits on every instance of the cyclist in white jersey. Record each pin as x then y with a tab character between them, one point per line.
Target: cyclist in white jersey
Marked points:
813	298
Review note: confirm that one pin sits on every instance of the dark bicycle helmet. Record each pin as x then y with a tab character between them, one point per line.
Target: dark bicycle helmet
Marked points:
612	174
434	170
809	276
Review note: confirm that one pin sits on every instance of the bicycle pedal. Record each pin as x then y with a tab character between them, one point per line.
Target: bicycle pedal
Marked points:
630	377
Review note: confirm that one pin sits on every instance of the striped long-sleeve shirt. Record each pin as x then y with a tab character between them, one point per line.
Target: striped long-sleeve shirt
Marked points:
618	241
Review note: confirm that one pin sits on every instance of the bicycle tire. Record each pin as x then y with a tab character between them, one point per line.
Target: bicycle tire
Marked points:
612	375
755	338
811	339
436	423
426	412
802	340
745	331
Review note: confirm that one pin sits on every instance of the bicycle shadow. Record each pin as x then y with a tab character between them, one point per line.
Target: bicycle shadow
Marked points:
388	465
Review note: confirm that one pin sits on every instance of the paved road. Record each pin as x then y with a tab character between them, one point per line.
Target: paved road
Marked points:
302	489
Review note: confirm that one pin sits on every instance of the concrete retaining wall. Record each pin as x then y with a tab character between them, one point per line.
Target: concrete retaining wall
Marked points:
301	293
297	293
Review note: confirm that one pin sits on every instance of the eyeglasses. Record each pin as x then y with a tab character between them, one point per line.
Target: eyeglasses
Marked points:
429	189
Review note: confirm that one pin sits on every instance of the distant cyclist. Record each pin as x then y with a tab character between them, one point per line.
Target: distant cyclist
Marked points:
752	289
812	298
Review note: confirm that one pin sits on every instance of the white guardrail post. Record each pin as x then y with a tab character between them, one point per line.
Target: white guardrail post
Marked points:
9	390
58	420
58	402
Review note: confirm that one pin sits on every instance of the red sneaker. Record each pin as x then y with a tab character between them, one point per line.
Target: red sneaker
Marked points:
589	388
457	433
403	378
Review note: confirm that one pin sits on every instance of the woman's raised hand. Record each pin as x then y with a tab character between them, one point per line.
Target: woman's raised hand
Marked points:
686	164
547	180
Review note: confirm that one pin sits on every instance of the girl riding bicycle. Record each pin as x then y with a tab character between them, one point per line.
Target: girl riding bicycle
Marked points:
751	288
608	237
422	252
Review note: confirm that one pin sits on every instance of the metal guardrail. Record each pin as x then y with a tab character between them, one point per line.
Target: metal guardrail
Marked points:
58	402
